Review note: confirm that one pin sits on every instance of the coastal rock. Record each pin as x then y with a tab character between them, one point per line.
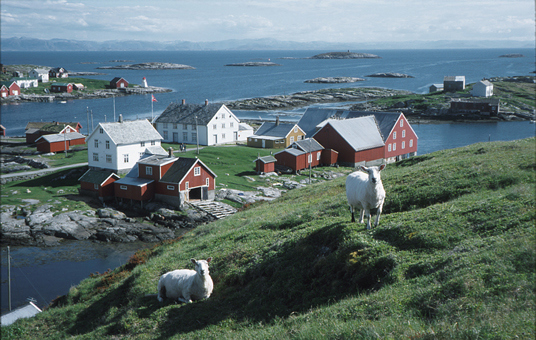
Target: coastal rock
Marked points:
512	55
334	80
389	75
149	66
255	63
344	55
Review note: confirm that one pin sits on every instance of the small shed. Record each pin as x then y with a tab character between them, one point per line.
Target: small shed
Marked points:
59	142
118	83
483	88
453	83
61	87
98	183
436	88
78	86
265	164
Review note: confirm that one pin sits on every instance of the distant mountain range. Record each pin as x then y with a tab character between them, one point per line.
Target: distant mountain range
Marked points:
31	44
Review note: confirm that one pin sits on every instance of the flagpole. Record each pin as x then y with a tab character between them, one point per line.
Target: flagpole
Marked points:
152	114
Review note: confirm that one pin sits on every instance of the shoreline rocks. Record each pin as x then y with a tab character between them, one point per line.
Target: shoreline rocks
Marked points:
389	75
149	66
345	55
334	80
255	63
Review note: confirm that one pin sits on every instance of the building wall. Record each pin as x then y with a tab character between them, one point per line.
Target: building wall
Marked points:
402	140
329	157
137	193
257	142
197	181
262	167
295	135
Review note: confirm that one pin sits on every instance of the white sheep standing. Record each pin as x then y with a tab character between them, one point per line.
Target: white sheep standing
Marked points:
186	285
365	191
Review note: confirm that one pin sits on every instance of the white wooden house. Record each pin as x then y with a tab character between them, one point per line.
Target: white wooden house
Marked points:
208	124
117	146
25	83
40	73
483	88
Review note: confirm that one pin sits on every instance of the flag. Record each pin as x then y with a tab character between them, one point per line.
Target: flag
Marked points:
153	98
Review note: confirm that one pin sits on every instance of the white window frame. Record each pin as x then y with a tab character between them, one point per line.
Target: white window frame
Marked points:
318	156
125	158
411	143
142	144
394	146
403	144
108	144
197	171
394	135
95	157
96	144
185	136
123	187
149	170
108	158
401	122
207	181
389	148
403	133
170	187
187	186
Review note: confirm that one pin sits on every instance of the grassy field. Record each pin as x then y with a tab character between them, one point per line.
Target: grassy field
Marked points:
453	258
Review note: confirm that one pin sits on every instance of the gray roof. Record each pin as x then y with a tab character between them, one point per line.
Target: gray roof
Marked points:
136	181
360	133
128	132
308	145
26	311
292	151
274	130
157	160
267	159
97	176
314	116
180	168
62	136
155	150
185	113
386	120
454	78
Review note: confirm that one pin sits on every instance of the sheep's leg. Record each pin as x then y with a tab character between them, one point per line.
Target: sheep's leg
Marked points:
367	214
378	213
352	211
185	299
361	215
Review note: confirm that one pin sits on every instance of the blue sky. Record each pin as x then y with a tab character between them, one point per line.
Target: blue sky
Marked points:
287	20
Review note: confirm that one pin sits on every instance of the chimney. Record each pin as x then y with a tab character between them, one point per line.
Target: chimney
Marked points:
120	118
277	121
170	152
206	102
184	102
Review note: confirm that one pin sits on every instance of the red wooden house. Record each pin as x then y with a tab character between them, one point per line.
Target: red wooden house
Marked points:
118	83
300	155
98	183
9	88
59	142
357	140
61	87
399	137
265	164
34	130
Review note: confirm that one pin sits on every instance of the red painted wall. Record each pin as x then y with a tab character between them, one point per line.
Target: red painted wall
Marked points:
398	130
133	192
197	181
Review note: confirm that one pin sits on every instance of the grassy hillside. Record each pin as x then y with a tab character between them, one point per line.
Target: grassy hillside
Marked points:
453	257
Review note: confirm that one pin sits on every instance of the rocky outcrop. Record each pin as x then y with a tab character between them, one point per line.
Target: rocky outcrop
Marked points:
255	63
334	80
149	66
512	55
344	55
306	98
389	75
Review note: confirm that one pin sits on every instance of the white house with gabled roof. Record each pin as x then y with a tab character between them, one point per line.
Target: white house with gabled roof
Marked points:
117	146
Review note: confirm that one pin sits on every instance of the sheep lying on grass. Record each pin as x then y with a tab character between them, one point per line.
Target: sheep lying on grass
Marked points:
186	285
365	191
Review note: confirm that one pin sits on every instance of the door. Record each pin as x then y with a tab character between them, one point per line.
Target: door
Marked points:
175	137
215	139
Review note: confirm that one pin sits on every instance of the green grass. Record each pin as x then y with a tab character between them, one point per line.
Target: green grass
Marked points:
453	258
89	84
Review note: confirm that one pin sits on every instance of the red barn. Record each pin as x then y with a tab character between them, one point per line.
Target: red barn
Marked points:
300	155
59	142
34	130
118	83
98	183
357	140
61	87
265	164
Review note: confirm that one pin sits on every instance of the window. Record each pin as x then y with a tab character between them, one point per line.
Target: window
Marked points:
231	124
165	125
107	144
403	145
123	187
194	137
125	158
187	185
197	171
309	158
101	130
394	146
411	143
149	170
223	116
152	142
96	143
175	126
171	187
223	136
214	126
223	125
96	186
95	157
185	126
142	143
389	148
185	136
403	133
318	156
292	139
295	129
108	158
165	135
207	181
394	135
401	123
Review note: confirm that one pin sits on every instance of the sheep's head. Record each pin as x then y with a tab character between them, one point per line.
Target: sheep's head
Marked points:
374	173
201	266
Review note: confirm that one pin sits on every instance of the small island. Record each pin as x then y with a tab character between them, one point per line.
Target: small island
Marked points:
149	66
389	75
255	63
345	55
512	55
334	80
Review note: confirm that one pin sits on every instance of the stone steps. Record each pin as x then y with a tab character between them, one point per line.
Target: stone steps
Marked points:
217	209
